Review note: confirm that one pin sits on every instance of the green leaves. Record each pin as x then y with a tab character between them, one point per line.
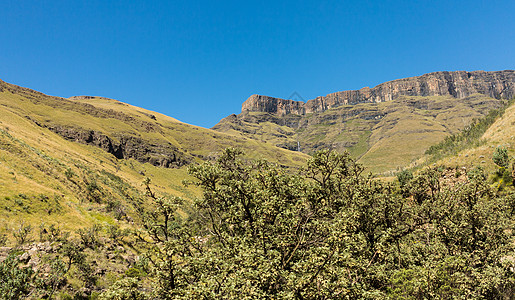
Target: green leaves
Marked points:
15	281
500	157
329	232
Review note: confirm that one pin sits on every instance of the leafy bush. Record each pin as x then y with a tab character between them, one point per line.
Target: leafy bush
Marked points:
500	157
89	237
22	234
15	281
117	208
69	173
126	288
115	233
331	232
3	239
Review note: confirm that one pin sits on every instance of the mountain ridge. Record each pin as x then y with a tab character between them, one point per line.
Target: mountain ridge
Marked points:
458	84
386	126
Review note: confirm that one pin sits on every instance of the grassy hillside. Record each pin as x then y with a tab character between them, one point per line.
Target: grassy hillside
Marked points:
476	145
58	165
383	136
79	165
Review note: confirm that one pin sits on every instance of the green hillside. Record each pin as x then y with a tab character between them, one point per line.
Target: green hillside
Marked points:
384	136
93	205
79	161
476	144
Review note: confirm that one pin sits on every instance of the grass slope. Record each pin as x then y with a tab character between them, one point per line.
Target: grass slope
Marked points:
479	149
384	136
48	179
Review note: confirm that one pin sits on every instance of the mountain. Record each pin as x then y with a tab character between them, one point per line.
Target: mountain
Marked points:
77	207
386	127
80	160
460	84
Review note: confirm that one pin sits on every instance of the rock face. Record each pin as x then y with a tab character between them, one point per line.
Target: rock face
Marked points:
273	105
458	84
161	155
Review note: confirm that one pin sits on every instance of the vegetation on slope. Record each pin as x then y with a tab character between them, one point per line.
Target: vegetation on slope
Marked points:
62	189
58	163
77	223
469	137
478	144
326	233
332	233
383	136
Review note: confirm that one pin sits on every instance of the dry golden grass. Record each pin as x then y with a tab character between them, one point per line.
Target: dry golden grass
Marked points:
34	161
383	136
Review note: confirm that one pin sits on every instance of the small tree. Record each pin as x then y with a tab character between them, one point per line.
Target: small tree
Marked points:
404	177
22	234
500	157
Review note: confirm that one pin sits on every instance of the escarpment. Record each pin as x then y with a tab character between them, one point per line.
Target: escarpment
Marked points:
385	127
458	84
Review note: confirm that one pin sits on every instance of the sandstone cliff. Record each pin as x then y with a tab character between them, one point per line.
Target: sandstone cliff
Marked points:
458	84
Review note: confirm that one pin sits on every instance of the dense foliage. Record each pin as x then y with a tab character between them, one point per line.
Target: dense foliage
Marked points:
500	157
15	280
329	232
504	176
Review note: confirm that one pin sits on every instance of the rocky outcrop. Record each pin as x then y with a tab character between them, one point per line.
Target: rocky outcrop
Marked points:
79	98
459	84
127	146
273	105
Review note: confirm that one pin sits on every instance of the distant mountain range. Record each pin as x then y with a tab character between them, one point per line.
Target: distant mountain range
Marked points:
459	84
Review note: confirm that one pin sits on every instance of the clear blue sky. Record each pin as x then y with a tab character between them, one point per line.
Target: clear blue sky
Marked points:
198	61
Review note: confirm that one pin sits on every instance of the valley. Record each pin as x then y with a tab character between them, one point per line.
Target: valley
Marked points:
99	198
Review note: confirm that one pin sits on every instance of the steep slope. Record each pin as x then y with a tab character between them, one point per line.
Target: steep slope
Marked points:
82	160
387	126
499	134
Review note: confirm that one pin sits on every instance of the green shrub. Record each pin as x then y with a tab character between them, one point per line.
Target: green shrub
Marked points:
125	288
404	177
89	237
15	281
22	234
500	157
69	173
3	240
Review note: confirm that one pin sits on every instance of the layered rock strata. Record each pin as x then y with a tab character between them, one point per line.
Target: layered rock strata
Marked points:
459	84
124	146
